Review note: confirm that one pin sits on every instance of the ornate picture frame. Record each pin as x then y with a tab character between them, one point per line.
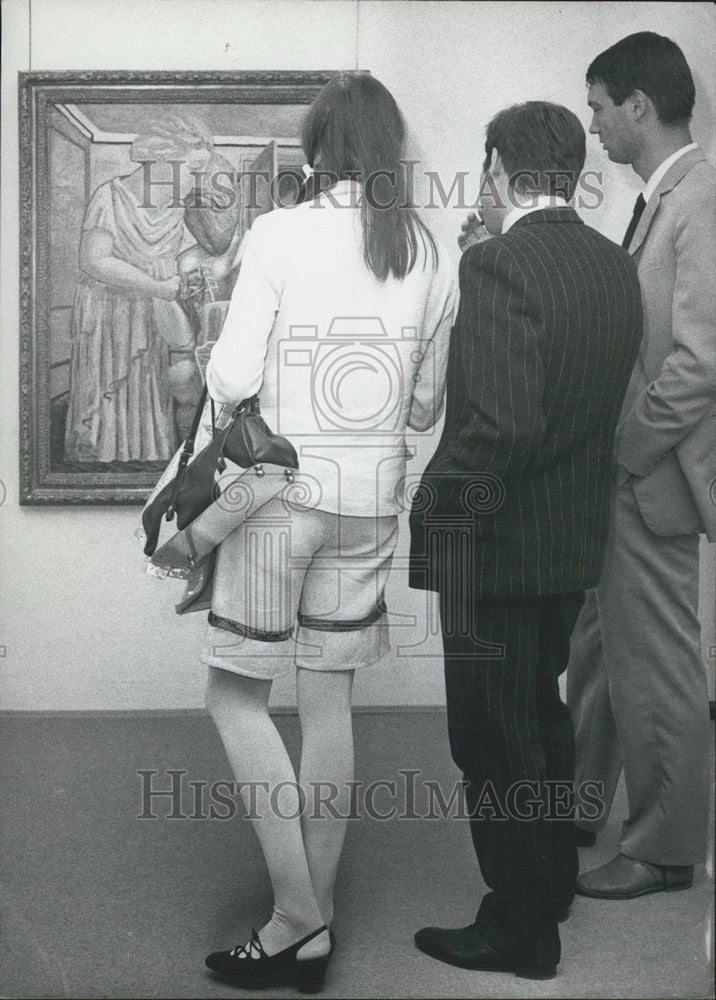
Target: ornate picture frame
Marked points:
108	372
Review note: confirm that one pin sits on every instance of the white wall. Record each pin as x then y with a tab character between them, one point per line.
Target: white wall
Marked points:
82	627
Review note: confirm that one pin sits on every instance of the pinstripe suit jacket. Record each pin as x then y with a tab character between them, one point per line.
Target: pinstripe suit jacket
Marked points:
515	500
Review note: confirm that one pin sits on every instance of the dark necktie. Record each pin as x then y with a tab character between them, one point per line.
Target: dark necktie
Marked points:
639	206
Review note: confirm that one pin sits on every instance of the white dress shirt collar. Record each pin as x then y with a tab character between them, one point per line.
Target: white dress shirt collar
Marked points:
540	202
662	168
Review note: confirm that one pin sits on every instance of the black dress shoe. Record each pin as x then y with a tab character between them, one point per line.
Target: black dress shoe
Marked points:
584	838
467	948
628	878
240	968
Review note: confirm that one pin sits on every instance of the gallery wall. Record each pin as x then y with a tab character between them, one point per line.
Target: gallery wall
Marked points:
82	626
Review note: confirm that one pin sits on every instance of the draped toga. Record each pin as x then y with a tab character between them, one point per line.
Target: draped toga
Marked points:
120	407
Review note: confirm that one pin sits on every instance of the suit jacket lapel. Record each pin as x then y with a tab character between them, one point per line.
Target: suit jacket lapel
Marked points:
671	178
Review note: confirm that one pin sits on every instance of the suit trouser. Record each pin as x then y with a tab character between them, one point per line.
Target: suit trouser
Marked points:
636	686
508	726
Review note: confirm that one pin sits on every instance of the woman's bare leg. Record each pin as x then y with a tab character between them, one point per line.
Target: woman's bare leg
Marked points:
256	753
324	705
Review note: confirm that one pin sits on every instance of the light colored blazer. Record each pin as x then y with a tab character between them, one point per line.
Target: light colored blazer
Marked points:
667	433
344	364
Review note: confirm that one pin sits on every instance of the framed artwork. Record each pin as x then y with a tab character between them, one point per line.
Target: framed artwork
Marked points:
136	192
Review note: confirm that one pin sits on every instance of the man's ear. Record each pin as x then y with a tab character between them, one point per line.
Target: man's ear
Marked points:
639	103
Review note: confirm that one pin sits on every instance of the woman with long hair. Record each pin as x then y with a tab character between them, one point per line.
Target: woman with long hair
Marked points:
340	321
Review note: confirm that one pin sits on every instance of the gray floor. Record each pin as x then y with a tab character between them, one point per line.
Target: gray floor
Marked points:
98	903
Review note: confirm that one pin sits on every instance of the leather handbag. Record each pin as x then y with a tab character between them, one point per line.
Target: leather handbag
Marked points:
246	442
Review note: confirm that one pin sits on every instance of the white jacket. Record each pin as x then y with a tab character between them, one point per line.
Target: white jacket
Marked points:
342	362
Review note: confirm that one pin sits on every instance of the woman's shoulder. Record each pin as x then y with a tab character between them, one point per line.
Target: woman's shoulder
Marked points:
438	260
99	213
444	259
284	227
103	191
270	224
286	216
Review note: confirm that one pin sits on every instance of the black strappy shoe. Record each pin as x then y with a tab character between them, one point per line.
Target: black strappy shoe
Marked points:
240	968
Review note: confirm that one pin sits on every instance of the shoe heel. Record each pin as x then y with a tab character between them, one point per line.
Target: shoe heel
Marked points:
311	974
547	973
678	887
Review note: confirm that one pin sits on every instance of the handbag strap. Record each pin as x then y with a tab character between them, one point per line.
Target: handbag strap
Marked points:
250	405
195	421
187	451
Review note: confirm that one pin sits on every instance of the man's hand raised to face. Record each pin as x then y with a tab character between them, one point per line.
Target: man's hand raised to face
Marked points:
472	231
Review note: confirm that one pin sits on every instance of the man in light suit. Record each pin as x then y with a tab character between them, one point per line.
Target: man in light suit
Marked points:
511	520
636	681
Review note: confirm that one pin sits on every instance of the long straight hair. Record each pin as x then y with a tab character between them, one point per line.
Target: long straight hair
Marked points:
354	129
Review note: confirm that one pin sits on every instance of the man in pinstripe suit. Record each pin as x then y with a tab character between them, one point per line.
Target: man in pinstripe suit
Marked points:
510	524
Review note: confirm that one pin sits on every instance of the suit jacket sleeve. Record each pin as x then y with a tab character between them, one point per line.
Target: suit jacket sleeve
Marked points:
685	389
500	334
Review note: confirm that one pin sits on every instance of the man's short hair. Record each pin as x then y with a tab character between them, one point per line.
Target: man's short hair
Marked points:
542	146
653	64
